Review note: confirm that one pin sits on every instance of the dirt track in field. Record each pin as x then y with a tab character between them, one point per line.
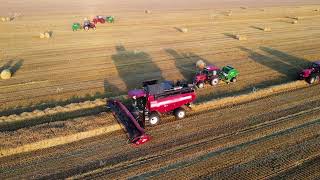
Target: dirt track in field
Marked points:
142	46
264	138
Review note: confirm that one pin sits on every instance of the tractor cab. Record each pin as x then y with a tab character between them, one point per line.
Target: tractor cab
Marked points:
211	70
315	66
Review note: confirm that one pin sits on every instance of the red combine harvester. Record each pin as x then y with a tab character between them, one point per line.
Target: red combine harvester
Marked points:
149	103
311	74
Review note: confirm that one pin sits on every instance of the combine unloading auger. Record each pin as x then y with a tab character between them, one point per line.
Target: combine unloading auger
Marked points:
133	126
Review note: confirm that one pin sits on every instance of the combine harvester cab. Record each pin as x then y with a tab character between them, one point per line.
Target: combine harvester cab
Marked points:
149	103
311	74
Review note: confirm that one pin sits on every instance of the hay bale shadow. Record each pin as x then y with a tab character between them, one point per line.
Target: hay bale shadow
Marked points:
229	35
182	29
256	27
12	66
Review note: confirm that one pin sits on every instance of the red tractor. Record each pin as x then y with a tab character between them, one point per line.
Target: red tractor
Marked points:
149	103
311	74
99	19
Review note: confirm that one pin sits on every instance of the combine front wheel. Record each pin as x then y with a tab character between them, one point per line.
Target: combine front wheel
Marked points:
154	119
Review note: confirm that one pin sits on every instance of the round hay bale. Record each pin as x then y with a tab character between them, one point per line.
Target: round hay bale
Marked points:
200	64
6	74
184	30
297	18
47	35
3	19
267	29
147	11
295	22
8	19
42	35
241	37
229	13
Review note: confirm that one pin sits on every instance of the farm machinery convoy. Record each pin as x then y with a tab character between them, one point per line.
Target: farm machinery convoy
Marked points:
154	99
213	74
87	24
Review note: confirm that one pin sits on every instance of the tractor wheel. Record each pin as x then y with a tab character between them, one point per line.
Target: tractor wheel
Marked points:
312	80
214	81
179	113
200	85
86	28
234	80
154	119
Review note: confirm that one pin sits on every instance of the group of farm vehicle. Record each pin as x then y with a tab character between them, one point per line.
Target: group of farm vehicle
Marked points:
167	97
156	98
87	24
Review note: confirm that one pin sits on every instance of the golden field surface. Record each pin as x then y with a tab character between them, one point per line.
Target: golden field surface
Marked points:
53	120
117	57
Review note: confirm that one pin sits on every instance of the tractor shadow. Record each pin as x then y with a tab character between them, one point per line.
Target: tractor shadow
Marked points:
185	63
134	67
281	62
12	65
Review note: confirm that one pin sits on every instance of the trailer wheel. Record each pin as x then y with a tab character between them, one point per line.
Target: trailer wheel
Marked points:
180	113
234	80
214	81
200	85
154	119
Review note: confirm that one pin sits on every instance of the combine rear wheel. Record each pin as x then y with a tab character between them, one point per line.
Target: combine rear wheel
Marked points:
179	113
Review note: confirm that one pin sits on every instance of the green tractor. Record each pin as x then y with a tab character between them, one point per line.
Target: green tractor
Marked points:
228	74
110	19
76	26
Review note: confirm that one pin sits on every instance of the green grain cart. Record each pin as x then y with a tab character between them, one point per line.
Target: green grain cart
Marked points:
228	74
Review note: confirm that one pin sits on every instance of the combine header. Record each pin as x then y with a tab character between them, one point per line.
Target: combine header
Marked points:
149	103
